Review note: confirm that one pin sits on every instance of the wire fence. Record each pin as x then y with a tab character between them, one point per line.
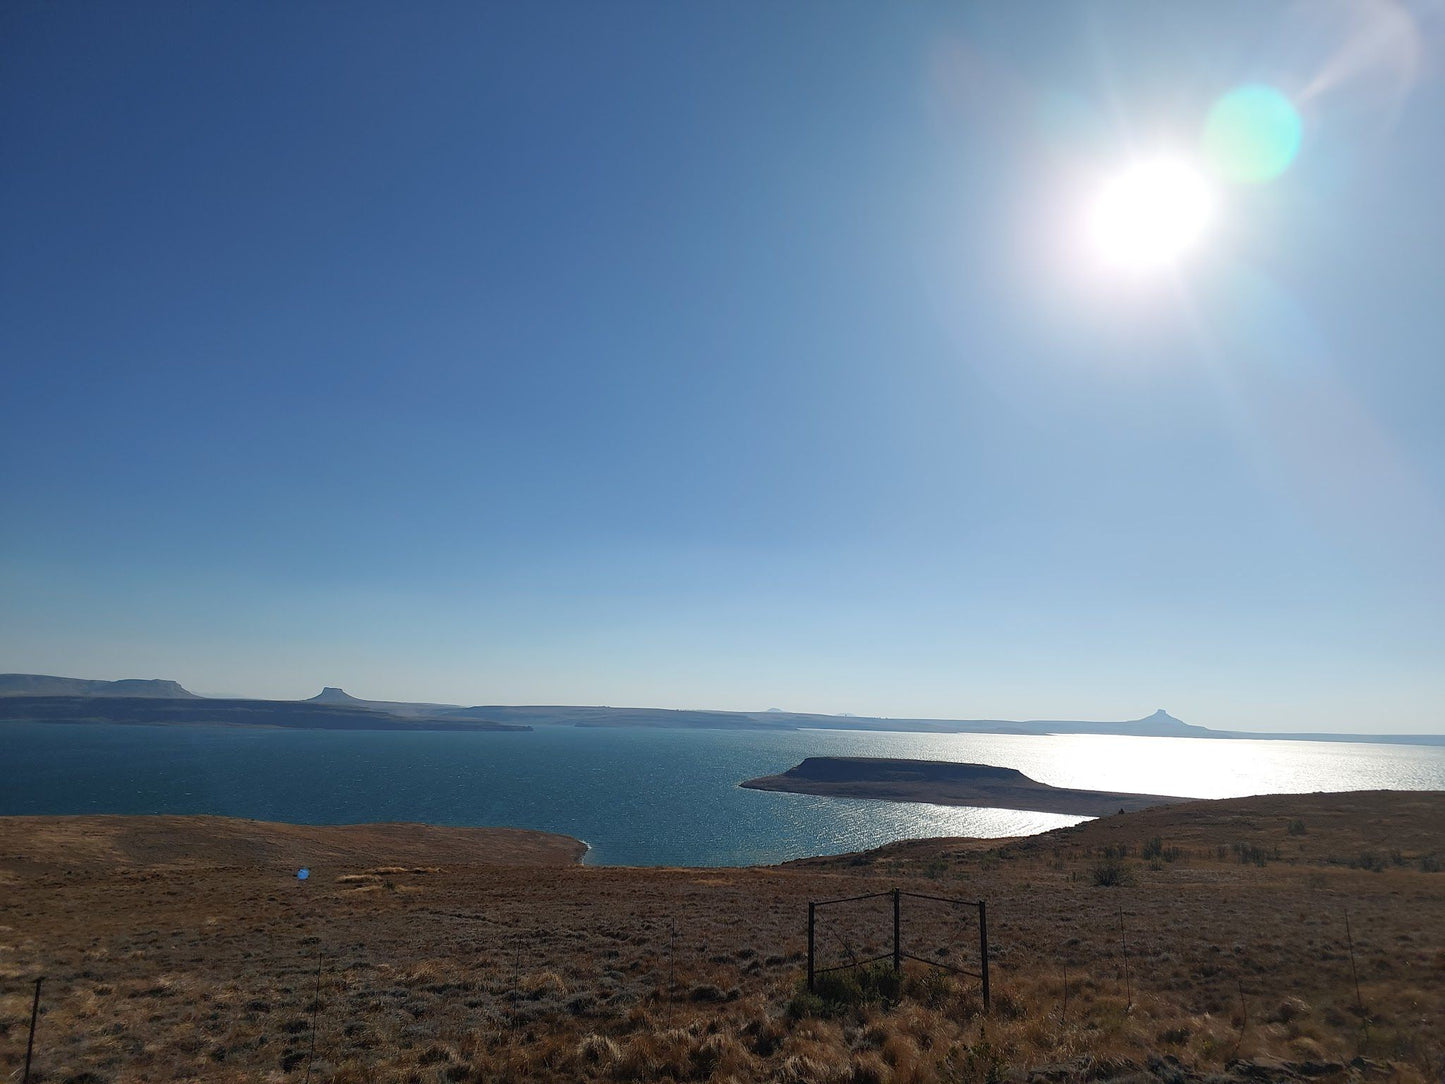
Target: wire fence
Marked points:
896	953
893	925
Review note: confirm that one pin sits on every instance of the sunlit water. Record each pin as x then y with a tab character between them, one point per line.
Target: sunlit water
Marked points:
637	796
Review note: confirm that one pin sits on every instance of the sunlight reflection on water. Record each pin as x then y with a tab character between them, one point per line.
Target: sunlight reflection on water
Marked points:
639	796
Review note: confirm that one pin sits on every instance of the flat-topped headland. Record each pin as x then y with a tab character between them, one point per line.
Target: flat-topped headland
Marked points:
941	782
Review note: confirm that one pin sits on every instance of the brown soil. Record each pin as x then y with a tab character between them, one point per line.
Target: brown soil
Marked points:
167	961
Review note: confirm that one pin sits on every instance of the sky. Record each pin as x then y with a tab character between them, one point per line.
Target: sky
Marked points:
733	356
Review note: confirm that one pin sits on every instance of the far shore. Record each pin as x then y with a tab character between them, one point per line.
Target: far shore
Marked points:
939	782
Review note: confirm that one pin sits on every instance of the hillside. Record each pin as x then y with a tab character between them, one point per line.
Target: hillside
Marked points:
98	844
1181	944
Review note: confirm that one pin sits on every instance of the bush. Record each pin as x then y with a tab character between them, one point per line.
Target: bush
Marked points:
1154	849
933	987
1111	873
802	1004
979	1063
1297	828
1253	854
838	991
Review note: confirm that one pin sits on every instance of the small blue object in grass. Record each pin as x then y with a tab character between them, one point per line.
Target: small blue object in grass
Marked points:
302	873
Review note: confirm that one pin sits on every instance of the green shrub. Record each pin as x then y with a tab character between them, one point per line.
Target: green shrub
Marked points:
979	1063
838	991
1111	873
1370	860
1154	850
932	987
803	1004
1253	854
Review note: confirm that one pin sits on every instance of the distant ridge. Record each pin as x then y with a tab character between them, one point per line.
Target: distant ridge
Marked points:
1160	724
46	685
214	711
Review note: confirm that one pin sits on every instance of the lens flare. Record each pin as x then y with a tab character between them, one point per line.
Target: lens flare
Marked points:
1252	134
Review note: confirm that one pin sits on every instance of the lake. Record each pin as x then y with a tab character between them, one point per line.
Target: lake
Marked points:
638	796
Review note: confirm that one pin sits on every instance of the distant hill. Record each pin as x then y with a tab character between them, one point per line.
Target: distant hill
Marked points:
1160	724
45	685
487	717
340	697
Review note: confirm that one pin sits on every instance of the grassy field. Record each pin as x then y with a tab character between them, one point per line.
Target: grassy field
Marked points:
1186	943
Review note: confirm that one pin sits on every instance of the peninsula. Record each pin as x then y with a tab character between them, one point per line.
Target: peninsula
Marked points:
946	783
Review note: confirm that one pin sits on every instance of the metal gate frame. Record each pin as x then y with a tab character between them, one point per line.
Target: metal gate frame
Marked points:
898	955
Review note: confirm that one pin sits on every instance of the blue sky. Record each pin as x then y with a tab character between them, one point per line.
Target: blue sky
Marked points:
733	355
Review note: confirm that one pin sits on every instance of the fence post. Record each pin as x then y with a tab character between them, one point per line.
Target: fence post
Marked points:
897	942
983	949
1359	1001
812	908
34	1015
1124	944
315	1013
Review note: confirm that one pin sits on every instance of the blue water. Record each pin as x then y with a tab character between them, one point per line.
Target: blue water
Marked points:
637	796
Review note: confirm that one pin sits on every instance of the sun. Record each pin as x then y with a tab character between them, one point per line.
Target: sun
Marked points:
1150	215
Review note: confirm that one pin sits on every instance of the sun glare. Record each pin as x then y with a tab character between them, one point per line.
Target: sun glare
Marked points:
1150	215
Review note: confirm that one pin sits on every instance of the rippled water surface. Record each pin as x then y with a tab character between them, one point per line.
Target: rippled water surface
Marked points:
639	797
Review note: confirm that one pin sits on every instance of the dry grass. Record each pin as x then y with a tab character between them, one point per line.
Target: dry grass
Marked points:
436	968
